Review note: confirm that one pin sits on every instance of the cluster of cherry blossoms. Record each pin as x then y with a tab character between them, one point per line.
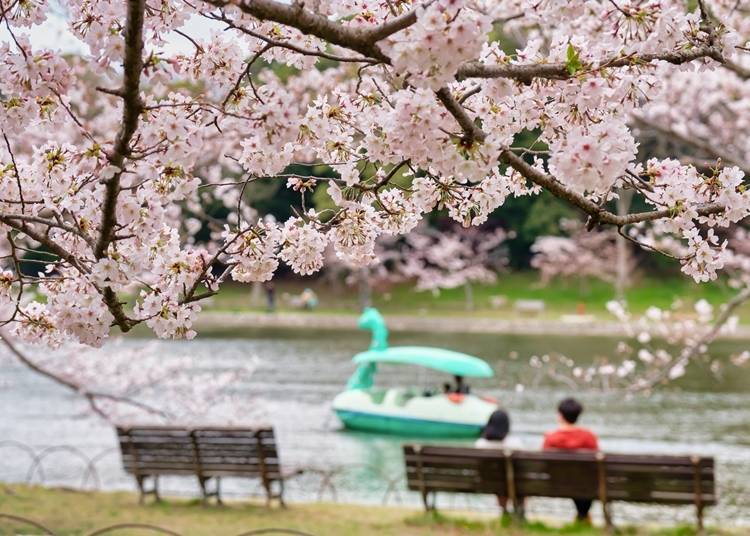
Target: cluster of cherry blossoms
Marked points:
446	34
126	163
702	250
658	348
165	387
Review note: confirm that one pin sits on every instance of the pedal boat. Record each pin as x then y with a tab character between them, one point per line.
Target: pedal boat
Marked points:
410	411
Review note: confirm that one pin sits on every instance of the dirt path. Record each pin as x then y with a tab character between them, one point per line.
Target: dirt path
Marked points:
571	326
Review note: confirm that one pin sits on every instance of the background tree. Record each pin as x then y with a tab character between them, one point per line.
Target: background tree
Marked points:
112	156
432	259
582	254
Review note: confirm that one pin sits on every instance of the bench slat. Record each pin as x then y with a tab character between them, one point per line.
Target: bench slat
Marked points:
202	452
663	479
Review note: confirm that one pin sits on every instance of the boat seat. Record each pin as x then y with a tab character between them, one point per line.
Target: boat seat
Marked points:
377	395
403	396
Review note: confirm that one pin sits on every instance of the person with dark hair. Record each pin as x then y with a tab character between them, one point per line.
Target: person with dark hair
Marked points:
495	436
461	387
568	436
495	431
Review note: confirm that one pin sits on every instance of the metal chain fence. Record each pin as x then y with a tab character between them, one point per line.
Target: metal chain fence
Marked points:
24	522
353	483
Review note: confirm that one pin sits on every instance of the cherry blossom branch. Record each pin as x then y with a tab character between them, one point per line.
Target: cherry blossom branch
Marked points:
737	69
246	72
307	21
598	214
48	223
525	73
190	295
288	46
45	240
364	41
132	199
15	172
690	351
132	108
108	295
90	396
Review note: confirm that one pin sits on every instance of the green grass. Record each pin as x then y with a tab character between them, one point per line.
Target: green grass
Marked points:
69	512
561	297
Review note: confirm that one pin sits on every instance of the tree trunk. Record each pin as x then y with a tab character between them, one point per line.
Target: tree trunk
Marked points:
623	277
365	291
256	295
469	296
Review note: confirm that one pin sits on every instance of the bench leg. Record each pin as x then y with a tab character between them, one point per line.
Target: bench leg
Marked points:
203	482
204	491
271	495
429	499
519	510
280	495
610	527
157	498
141	481
699	519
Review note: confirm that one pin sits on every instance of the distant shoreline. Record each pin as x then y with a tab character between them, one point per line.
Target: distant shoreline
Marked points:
571	327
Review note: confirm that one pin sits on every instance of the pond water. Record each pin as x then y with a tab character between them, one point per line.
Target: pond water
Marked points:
302	370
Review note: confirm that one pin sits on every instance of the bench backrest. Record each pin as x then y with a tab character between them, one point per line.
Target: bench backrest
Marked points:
208	452
618	477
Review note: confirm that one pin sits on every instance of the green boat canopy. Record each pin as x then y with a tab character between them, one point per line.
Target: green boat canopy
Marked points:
440	359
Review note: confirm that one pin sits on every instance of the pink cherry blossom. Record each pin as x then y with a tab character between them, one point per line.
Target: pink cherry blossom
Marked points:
116	157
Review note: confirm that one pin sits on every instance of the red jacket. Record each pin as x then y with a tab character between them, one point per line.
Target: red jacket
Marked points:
571	439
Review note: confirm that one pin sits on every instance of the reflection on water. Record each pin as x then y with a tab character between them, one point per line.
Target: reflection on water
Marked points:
302	371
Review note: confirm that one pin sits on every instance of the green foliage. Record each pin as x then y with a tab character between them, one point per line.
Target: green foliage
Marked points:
529	218
573	60
34	261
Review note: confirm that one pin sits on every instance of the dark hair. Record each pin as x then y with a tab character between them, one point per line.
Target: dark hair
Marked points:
498	426
570	409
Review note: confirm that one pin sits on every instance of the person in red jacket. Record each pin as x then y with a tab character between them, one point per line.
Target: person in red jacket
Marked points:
571	437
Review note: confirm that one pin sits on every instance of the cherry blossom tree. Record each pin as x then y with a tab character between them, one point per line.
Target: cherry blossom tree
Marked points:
109	156
451	259
432	259
581	253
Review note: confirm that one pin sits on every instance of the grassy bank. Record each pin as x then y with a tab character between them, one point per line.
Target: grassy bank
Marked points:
68	512
561	297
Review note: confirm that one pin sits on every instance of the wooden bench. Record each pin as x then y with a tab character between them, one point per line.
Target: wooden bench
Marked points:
663	479
206	453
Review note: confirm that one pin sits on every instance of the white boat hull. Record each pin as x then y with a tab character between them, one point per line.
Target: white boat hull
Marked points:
397	411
